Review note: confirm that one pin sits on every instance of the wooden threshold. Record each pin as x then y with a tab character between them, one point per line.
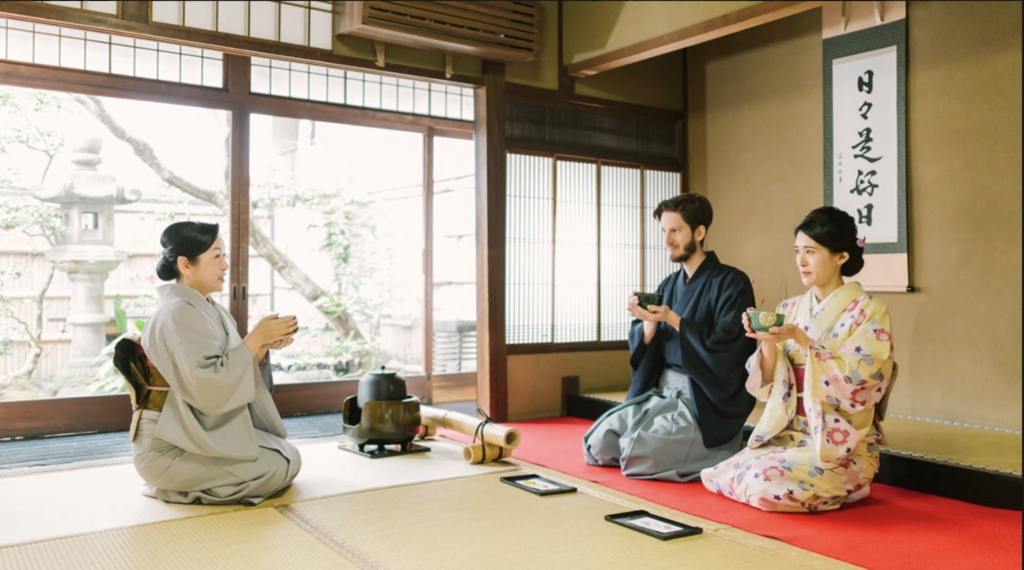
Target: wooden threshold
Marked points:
696	34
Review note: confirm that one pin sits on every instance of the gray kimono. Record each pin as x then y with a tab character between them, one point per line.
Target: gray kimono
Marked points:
219	438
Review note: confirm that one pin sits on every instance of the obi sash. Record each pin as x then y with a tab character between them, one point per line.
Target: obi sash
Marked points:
147	387
798	372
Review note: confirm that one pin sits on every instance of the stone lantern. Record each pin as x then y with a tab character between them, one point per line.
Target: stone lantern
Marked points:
86	248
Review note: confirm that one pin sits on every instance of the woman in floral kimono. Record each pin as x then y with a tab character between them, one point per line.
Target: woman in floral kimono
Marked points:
821	376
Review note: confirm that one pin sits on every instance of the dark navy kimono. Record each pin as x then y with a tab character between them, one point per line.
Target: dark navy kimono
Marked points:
710	346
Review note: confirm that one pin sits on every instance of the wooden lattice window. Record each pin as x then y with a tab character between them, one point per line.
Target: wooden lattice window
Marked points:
61	46
580	238
107	7
300	23
360	89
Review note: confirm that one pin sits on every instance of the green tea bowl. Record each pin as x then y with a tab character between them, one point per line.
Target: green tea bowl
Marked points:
761	321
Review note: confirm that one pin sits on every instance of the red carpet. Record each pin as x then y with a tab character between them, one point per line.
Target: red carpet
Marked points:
892	529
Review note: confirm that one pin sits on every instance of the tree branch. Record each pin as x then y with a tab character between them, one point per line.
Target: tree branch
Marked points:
35	339
342	323
40	297
145	152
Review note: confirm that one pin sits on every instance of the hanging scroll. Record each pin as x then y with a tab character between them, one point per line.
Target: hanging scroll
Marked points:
865	145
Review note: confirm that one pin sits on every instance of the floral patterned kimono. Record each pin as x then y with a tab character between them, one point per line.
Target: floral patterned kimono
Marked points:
813	449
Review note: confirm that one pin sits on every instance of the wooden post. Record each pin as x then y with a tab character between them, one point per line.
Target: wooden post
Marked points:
428	262
136	11
237	80
489	137
570	387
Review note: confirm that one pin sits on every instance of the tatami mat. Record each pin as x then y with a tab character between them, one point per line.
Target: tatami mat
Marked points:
468	522
257	538
71	502
481	523
971	446
959	444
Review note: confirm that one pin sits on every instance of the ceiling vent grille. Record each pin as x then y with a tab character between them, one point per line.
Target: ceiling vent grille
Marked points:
497	31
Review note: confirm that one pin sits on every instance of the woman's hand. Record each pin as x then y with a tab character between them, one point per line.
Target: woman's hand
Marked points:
746	322
775	335
273	329
283	343
767	347
274	345
270	330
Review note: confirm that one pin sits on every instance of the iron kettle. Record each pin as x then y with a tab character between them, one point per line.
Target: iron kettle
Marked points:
383	386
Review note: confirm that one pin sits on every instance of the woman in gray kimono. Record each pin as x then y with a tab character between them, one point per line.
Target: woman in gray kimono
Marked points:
218	437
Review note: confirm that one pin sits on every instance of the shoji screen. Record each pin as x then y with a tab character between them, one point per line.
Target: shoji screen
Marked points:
658	186
620	247
529	253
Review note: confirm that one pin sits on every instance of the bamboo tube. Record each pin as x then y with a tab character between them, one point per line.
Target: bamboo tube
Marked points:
494	434
475	453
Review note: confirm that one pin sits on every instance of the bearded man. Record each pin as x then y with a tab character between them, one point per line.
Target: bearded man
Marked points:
687	403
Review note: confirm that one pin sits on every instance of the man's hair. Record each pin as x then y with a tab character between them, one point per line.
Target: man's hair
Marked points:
694	208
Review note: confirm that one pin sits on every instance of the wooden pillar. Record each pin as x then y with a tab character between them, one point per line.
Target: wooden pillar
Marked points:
428	262
489	138
237	77
683	130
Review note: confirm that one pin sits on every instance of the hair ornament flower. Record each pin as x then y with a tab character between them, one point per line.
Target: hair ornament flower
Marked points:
861	242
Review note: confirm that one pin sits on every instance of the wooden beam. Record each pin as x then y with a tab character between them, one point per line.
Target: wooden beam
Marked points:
34	76
228	43
529	94
60	416
566	347
492	369
699	33
574	152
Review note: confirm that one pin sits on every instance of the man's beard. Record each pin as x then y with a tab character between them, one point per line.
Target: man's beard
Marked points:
688	250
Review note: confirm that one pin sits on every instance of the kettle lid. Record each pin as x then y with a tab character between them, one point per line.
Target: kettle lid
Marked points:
382	372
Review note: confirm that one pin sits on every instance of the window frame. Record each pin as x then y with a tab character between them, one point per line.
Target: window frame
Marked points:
87	414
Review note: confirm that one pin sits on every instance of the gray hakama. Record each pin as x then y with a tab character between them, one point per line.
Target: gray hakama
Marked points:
655	435
219	438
